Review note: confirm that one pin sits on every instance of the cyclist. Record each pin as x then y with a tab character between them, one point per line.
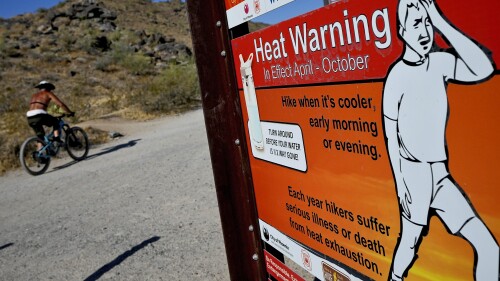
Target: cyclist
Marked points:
37	114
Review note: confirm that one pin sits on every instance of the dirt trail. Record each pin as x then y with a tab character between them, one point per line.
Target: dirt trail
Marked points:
142	207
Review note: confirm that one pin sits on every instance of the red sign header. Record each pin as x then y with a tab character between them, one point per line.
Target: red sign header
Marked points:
339	42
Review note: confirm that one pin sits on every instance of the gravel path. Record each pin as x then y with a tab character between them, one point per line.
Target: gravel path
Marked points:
141	207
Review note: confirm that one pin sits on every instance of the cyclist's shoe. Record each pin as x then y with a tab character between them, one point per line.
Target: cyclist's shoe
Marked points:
56	139
51	151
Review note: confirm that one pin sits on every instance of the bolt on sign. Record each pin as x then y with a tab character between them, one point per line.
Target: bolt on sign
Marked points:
372	129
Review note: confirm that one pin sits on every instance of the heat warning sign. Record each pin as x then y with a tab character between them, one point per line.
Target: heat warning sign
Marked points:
373	131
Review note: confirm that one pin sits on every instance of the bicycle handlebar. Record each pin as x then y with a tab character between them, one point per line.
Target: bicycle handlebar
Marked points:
65	115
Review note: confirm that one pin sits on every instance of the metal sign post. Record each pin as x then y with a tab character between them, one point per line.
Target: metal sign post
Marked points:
226	138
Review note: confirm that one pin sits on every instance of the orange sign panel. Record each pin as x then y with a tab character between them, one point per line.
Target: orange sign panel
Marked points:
373	131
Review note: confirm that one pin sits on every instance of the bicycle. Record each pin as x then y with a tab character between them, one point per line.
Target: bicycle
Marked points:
36	160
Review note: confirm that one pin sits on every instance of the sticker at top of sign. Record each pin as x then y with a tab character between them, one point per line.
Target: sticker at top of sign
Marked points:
243	11
283	145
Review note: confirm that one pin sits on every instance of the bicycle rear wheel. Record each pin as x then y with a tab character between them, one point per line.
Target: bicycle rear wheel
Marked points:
33	161
77	143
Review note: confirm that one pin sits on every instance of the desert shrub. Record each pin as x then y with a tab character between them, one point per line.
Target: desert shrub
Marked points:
125	56
120	51
3	46
104	63
114	103
9	149
116	35
50	57
84	43
175	89
137	64
13	130
11	50
125	37
67	40
4	105
87	41
11	101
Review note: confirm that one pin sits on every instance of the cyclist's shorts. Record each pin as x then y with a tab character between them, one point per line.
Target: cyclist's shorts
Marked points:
38	121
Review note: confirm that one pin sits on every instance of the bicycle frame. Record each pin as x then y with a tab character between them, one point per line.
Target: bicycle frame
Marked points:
46	150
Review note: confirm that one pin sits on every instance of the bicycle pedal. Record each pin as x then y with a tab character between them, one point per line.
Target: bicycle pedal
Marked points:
40	158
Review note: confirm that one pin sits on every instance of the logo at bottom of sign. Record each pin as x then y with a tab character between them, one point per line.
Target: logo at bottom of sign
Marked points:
331	274
306	260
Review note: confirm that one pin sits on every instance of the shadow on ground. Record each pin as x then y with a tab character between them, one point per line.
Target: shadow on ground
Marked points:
103	152
6	246
107	267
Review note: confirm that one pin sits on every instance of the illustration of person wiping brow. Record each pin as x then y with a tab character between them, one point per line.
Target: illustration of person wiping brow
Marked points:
415	109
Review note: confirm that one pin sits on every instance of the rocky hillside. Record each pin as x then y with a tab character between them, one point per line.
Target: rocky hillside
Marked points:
92	42
130	58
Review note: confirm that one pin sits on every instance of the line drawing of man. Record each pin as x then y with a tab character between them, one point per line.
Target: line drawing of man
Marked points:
415	109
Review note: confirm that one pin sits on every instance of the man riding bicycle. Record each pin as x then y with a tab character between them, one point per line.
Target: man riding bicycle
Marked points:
37	114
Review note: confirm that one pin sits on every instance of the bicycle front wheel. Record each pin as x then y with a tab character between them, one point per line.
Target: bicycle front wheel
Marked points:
33	161
77	143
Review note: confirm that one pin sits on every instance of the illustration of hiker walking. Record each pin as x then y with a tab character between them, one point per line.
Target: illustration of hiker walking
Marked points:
415	109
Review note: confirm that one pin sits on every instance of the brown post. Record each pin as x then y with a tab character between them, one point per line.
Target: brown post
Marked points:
226	137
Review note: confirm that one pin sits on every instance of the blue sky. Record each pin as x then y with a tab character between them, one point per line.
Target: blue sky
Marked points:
297	7
10	8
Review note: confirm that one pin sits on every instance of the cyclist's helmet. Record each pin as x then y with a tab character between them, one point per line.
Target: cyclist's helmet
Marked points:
45	85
